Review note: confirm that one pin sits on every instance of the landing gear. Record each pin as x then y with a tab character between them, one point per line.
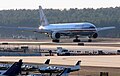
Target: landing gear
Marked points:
76	39
56	40
89	40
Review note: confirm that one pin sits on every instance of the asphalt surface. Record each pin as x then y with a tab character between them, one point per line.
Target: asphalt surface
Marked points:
100	61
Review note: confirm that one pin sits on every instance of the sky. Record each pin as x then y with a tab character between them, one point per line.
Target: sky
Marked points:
57	4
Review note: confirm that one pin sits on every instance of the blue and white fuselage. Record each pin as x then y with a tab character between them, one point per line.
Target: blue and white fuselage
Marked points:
71	26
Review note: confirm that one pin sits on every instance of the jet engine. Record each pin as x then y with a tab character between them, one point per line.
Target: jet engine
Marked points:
55	35
95	35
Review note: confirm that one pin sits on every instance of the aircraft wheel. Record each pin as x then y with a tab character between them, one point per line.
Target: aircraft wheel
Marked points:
56	40
76	40
89	40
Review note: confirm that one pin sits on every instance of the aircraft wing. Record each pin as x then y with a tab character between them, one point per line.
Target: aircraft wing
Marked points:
18	28
27	29
105	28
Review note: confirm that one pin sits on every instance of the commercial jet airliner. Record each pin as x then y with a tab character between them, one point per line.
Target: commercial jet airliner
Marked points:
55	31
69	29
57	69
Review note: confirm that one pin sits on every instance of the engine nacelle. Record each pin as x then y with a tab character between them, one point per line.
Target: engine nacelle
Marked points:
95	35
55	35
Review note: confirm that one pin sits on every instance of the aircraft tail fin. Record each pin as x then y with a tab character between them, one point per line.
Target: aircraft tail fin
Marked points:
15	69
76	67
78	63
65	72
47	61
43	19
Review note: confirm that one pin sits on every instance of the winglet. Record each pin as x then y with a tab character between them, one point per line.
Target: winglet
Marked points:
47	61
15	69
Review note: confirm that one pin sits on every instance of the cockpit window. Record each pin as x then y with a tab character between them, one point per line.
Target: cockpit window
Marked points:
91	27
88	26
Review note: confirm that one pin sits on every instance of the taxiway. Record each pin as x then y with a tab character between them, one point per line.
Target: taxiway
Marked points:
100	61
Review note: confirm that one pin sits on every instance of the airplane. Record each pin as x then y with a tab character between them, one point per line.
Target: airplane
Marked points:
31	67
55	31
68	29
58	69
14	70
65	72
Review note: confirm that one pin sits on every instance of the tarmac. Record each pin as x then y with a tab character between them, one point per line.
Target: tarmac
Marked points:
97	61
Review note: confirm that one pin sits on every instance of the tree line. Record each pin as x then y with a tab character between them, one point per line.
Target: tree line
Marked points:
101	17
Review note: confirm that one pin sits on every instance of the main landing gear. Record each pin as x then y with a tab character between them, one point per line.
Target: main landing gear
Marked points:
55	40
89	40
76	39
